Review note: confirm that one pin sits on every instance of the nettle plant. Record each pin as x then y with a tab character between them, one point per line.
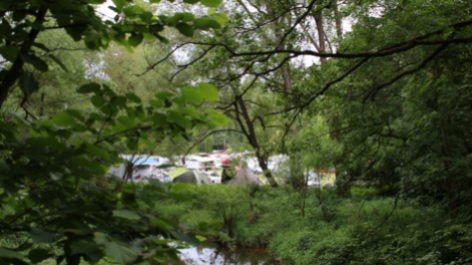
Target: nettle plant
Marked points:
54	188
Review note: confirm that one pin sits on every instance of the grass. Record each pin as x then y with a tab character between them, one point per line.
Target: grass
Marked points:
181	170
327	178
177	171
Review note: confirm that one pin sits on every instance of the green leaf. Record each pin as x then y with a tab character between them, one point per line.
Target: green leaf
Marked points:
7	253
98	101
173	255
175	18
211	3
156	28
191	1
41	65
162	39
192	95
5	29
135	39
25	246
200	238
88	88
133	97
37	62
222	18
148	36
179	119
9	52
185	237
164	95
100	152
146	16
119	253
134	9
208	91
37	255
119	5
45	141
189	111
156	103
217	117
154	1
41	46
39	235
188	17
28	83
159	223
4	167
185	29
56	60
75	113
206	23
159	119
63	119
18	15
127	122
126	214
132	144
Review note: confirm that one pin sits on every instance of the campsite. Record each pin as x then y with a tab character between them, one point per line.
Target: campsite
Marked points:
236	132
203	168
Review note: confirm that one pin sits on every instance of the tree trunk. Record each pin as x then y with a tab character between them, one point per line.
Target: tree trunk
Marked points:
280	46
15	70
41	109
250	133
263	164
339	25
321	36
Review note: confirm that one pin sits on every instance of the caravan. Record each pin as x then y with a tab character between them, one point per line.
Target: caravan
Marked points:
200	163
142	168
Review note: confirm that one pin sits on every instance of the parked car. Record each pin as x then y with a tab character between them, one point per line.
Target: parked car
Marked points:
200	163
163	176
214	177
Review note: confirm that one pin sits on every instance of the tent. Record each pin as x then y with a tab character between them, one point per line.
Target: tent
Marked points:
245	177
192	177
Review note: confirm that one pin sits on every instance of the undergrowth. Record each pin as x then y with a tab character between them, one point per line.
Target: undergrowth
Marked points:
319	227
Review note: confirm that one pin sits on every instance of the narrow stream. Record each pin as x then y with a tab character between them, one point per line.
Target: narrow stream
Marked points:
213	253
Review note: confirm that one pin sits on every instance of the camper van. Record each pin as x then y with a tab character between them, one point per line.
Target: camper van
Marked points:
143	168
200	163
118	171
312	179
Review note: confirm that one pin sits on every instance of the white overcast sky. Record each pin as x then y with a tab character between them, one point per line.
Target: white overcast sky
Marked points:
103	8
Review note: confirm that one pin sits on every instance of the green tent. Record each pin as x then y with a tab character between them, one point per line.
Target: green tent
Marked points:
193	177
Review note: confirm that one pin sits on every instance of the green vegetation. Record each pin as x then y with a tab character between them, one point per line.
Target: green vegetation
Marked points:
378	91
177	171
355	229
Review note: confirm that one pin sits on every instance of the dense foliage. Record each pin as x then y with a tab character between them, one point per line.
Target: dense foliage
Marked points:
54	190
377	91
327	229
